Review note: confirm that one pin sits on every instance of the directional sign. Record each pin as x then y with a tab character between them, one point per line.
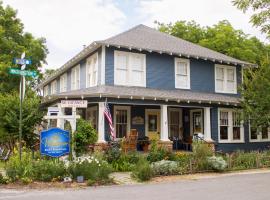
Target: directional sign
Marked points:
22	72
21	61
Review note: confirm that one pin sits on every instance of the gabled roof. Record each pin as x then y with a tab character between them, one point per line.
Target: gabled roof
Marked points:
141	38
146	94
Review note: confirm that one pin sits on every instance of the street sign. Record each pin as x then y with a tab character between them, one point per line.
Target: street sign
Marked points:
74	103
22	61
54	142
22	72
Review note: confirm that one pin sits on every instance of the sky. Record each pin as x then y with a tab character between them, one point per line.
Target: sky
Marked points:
67	25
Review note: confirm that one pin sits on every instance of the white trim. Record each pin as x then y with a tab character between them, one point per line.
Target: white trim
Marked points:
127	108
187	61
102	71
90	66
164	132
191	120
129	69
230	127
225	68
207	124
101	122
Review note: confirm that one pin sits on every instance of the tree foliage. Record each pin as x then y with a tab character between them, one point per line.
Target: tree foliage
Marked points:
221	37
9	118
13	42
261	16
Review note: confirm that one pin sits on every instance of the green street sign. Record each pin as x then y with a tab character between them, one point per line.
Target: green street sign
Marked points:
22	72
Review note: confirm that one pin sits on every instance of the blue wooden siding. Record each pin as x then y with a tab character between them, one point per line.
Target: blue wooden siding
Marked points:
160	71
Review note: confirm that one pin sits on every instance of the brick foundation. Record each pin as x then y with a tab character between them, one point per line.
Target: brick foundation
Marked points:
168	145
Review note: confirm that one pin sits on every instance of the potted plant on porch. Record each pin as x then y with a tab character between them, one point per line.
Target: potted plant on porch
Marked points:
144	143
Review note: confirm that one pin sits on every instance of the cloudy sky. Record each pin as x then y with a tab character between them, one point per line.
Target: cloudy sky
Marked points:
67	25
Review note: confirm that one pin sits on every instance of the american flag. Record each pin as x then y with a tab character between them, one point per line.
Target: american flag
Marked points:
108	116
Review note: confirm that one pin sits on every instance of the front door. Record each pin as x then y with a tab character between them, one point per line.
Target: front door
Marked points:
152	119
196	121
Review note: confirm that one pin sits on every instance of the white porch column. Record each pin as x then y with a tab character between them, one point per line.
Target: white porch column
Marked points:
164	136
101	123
60	121
207	124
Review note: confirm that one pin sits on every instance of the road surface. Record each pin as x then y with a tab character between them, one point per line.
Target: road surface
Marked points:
238	187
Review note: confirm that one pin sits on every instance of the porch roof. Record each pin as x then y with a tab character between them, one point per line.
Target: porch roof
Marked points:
147	94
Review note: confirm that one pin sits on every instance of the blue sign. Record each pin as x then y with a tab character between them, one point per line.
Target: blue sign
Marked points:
54	142
21	61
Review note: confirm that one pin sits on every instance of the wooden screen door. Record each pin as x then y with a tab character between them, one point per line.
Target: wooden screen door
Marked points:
152	124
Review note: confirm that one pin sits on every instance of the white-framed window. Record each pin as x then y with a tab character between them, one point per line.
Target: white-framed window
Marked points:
92	70
121	121
54	87
175	125
182	73
63	83
230	126
225	79
259	134
92	116
129	69
45	91
75	78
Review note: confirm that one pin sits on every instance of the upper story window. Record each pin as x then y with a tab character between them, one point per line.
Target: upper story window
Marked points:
92	70
129	69
182	73
63	83
231	127
54	87
75	78
45	90
225	79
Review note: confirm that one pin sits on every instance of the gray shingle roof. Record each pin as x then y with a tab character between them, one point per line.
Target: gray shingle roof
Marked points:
147	93
143	37
146	38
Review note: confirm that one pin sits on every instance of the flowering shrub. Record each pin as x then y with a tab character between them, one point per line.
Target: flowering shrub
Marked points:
165	167
217	163
91	168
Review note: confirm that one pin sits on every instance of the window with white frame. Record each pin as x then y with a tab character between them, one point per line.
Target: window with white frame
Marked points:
92	116
225	79
129	69
92	70
54	87
75	78
121	121
182	73
230	126
45	91
259	134
63	83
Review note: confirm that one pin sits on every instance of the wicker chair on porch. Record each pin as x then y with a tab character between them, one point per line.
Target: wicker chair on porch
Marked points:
130	143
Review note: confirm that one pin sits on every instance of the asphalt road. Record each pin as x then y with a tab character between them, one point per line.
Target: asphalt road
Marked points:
238	187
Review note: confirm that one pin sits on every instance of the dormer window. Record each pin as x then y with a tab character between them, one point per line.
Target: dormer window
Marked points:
92	70
182	73
75	78
225	79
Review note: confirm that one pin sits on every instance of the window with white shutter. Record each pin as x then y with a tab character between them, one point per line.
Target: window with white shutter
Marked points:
63	83
54	87
92	70
130	69
225	79
182	73
75	78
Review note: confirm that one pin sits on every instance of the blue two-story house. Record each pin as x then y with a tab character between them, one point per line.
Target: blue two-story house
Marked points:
164	87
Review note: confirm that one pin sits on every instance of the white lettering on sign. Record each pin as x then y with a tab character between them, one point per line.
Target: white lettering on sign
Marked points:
74	103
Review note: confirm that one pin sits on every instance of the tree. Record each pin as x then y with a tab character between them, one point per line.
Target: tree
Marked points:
9	118
256	96
13	42
261	9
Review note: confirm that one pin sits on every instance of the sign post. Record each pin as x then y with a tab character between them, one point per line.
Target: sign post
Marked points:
23	62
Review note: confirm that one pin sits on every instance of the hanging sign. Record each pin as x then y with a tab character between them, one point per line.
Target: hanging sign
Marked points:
74	103
54	142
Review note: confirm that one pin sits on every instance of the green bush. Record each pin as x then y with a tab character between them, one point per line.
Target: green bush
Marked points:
3	180
48	170
217	163
165	167
143	170
18	170
84	136
244	160
183	160
90	168
201	151
157	154
113	153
